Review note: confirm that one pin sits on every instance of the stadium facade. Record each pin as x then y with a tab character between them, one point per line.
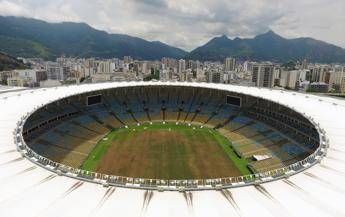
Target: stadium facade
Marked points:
309	185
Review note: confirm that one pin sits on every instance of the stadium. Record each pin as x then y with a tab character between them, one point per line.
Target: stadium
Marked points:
186	149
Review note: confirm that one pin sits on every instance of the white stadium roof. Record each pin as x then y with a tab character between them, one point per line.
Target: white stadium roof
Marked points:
31	191
4	89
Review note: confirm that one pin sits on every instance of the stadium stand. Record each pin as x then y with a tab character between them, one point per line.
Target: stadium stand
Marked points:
67	130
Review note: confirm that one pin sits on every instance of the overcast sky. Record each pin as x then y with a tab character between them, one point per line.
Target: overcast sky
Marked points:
190	23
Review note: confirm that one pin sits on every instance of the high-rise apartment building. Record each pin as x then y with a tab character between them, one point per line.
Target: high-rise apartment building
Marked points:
289	79
263	75
342	85
181	66
215	77
230	64
56	72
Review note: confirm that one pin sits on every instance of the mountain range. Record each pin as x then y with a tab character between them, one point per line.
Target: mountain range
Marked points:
269	47
26	37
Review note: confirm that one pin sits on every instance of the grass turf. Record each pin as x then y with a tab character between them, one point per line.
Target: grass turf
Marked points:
166	151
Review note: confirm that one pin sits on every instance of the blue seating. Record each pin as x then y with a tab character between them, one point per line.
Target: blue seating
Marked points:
293	149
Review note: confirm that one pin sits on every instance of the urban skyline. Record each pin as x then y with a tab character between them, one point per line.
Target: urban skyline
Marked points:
297	76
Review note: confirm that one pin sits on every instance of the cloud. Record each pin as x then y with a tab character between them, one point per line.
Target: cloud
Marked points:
188	24
8	8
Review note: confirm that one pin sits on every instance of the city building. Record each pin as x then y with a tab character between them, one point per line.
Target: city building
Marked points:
319	87
342	85
248	66
4	75
105	66
127	59
57	72
289	79
305	64
263	75
336	79
16	81
181	65
215	77
230	64
26	77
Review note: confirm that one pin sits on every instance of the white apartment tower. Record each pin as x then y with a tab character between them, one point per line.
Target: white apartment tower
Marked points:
181	66
263	75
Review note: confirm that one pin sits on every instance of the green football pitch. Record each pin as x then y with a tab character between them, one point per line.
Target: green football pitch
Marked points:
166	151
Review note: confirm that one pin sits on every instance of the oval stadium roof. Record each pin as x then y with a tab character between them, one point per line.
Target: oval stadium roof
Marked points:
31	191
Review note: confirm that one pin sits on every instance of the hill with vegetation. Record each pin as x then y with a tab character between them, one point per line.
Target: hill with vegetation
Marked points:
9	63
269	47
26	37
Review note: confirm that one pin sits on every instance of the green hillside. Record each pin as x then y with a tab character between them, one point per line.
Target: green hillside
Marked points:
35	38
